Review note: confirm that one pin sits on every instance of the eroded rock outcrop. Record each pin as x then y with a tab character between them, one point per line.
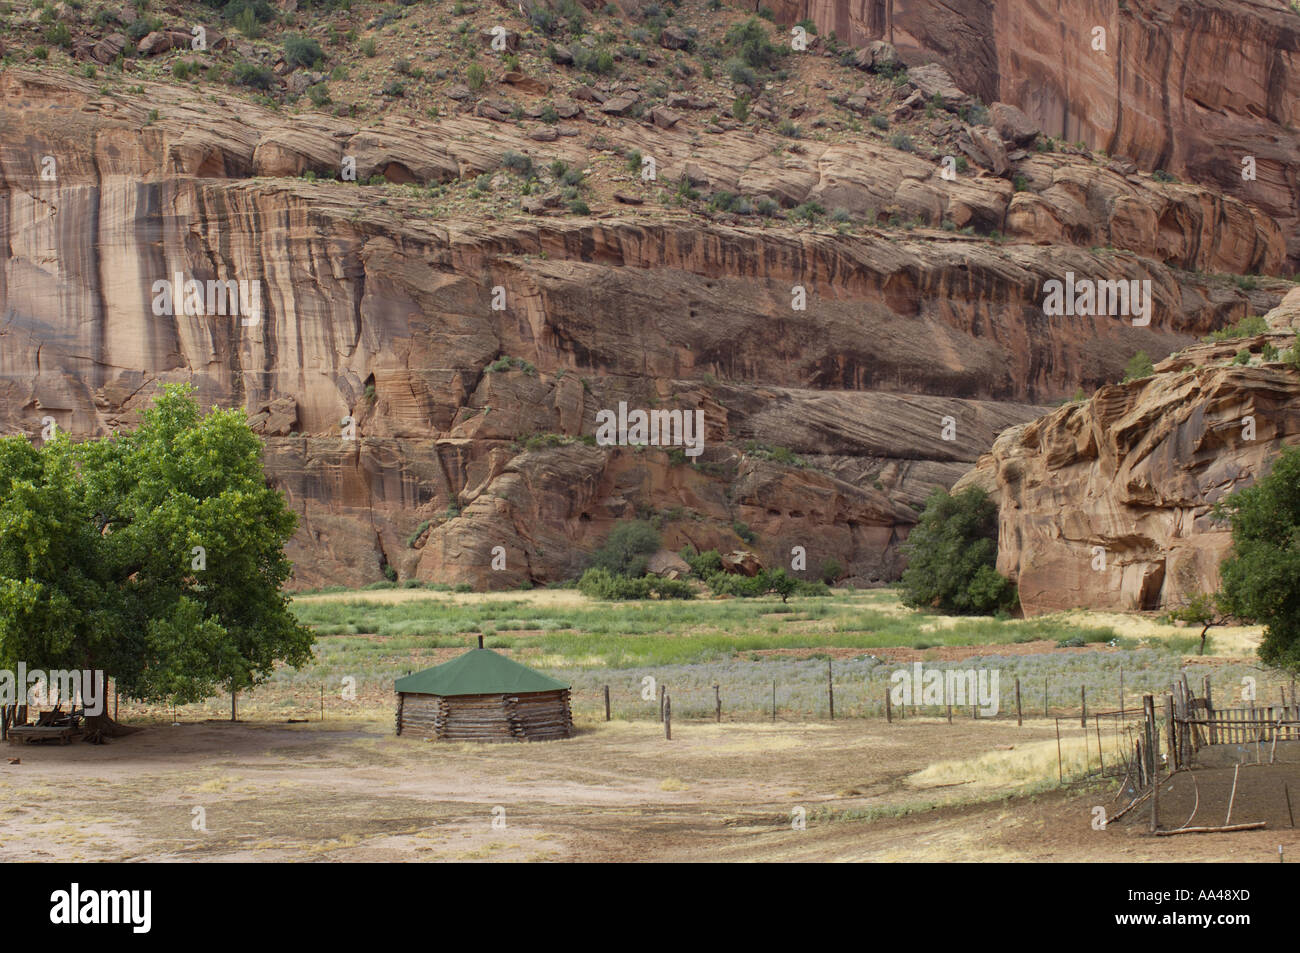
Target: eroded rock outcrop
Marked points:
1106	503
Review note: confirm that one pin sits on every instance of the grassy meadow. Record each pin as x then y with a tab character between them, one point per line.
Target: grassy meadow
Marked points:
743	646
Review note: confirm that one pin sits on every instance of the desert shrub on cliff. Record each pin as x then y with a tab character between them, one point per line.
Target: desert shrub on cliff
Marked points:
1247	327
1139	366
952	556
302	51
1261	572
750	41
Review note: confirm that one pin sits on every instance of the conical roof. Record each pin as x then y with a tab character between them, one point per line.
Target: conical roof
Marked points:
477	672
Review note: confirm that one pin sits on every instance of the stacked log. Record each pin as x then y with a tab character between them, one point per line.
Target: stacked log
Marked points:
533	716
543	716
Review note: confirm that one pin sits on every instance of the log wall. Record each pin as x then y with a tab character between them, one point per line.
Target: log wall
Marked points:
532	716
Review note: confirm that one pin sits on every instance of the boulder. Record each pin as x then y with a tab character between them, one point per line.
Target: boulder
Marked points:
671	38
664	118
742	562
668	564
109	48
1012	124
935	84
619	105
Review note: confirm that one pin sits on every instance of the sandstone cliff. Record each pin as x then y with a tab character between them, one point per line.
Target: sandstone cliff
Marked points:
1191	87
439	335
1106	502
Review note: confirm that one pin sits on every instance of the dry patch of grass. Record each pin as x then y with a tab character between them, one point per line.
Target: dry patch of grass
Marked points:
1024	764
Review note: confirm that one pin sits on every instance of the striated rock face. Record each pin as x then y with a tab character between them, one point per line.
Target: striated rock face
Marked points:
1135	471
1192	87
428	383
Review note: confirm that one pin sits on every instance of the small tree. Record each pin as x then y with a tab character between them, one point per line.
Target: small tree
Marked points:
1261	571
781	583
952	556
627	549
1200	609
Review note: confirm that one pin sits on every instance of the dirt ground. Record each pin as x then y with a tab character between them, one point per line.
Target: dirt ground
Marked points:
350	790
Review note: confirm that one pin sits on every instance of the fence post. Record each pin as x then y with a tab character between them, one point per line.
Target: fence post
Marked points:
1083	707
717	702
662	690
1172	731
1209	711
1019	719
1153	739
774	701
607	703
889	708
668	716
830	689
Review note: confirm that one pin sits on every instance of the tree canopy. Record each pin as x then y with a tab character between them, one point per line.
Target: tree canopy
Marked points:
156	556
1261	574
952	556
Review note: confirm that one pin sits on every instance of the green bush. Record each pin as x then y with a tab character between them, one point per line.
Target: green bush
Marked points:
627	549
302	51
767	581
517	163
602	584
1139	366
731	584
141	27
59	35
703	564
254	76
831	571
1247	327
902	141
750	41
952	556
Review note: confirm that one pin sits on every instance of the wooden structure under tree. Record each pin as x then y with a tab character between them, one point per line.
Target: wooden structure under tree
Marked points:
482	696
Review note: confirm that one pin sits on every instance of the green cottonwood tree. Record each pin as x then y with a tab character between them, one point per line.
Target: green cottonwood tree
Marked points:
952	556
156	555
1261	575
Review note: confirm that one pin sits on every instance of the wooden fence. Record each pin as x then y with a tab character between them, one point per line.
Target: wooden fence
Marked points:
1249	725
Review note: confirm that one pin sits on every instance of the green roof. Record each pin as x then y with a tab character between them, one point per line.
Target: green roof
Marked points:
477	672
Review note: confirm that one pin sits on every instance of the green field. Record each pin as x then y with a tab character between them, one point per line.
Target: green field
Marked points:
742	645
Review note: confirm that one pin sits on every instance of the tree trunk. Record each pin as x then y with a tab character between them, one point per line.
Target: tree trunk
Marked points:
100	727
1204	630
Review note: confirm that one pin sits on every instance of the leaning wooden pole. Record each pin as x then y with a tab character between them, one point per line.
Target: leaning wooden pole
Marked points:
1153	761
